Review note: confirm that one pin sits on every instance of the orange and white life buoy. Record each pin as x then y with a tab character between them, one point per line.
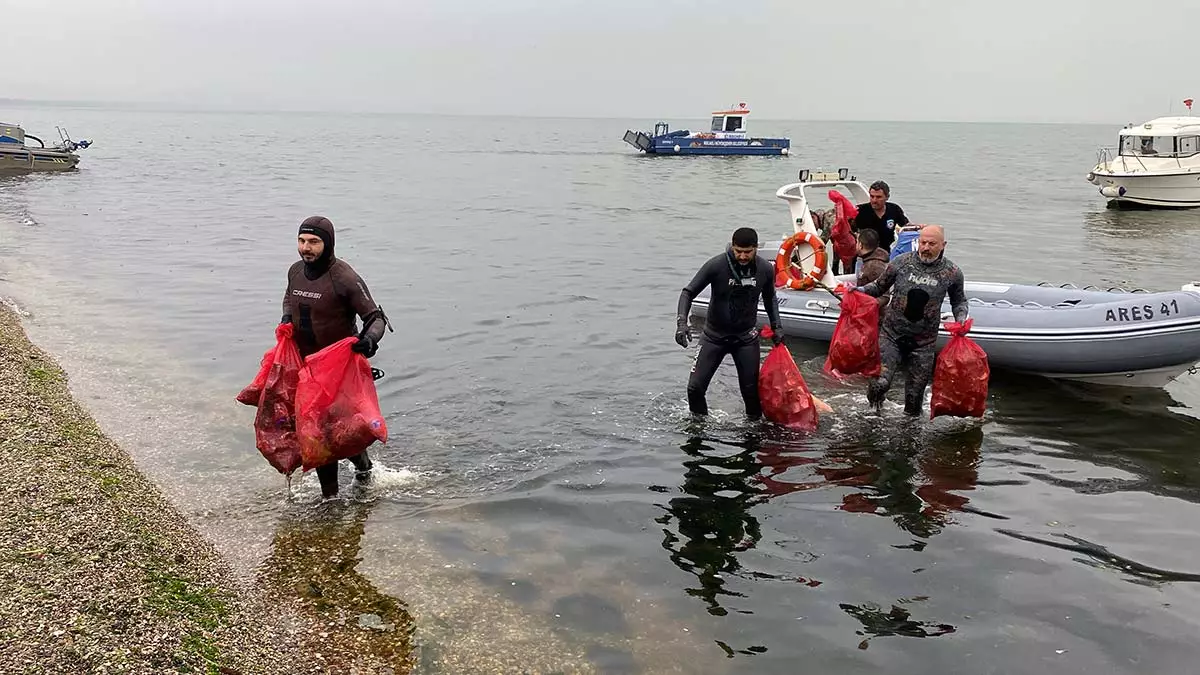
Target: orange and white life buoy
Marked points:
784	276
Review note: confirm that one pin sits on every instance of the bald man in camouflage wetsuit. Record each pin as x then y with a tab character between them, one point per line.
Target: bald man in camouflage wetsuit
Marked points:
919	282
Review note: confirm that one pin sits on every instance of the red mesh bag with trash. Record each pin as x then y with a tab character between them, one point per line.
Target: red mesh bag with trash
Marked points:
337	407
273	392
960	375
786	399
854	349
844	246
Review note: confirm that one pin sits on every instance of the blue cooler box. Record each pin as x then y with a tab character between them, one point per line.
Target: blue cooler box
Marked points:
906	242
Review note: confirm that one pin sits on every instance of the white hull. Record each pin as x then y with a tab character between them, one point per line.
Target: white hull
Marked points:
1180	190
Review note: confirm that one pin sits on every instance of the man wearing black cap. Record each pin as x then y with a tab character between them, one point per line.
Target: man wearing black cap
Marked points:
324	295
738	278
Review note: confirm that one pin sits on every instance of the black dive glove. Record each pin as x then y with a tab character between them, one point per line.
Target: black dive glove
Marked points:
682	334
365	346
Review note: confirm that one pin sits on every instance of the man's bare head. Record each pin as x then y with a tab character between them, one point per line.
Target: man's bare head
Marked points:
931	242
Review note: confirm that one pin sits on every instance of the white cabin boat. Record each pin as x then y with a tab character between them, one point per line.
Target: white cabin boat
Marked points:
1155	164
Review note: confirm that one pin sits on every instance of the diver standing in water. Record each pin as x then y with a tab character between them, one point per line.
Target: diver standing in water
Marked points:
919	282
323	296
738	277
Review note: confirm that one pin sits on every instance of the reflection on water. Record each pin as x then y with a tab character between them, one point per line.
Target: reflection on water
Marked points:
313	566
713	521
1142	224
1102	557
910	477
916	479
898	621
1138	431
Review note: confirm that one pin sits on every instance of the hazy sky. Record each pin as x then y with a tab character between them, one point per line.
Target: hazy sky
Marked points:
1018	60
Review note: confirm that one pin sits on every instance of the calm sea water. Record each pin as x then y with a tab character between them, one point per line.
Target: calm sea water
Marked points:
544	503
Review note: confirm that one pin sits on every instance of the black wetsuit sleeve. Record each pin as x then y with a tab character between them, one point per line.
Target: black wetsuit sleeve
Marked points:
358	296
883	283
768	298
703	278
958	297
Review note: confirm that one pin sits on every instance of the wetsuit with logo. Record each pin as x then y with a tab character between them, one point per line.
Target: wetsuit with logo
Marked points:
325	308
911	320
322	300
731	325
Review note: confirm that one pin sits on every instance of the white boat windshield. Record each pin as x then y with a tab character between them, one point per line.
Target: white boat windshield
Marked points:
1160	146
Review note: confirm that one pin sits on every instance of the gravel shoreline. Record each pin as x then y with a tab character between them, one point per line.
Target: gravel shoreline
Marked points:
99	573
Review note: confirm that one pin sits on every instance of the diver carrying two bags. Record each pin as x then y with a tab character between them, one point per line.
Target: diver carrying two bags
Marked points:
315	391
918	283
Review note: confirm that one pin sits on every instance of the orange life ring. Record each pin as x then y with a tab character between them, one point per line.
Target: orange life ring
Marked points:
784	276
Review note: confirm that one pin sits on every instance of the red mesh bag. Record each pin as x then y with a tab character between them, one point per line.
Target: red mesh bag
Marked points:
844	245
252	393
960	376
785	397
274	392
337	406
854	349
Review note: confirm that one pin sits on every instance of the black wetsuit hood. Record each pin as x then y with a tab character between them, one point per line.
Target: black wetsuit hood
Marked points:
322	227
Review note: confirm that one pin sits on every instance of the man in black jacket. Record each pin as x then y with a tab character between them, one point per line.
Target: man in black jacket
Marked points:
880	215
738	277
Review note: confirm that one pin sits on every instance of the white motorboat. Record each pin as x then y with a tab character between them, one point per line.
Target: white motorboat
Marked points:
1155	164
1133	338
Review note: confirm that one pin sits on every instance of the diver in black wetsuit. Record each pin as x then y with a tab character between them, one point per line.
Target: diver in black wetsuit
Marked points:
738	278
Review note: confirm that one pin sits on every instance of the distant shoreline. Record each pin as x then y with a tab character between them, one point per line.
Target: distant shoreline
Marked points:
146	106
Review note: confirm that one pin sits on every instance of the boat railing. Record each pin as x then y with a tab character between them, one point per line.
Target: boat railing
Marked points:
1106	155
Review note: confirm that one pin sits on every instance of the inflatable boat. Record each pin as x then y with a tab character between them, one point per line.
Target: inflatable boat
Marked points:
1113	336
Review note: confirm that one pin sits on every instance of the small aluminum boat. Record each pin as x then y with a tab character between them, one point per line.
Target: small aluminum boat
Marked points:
16	156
